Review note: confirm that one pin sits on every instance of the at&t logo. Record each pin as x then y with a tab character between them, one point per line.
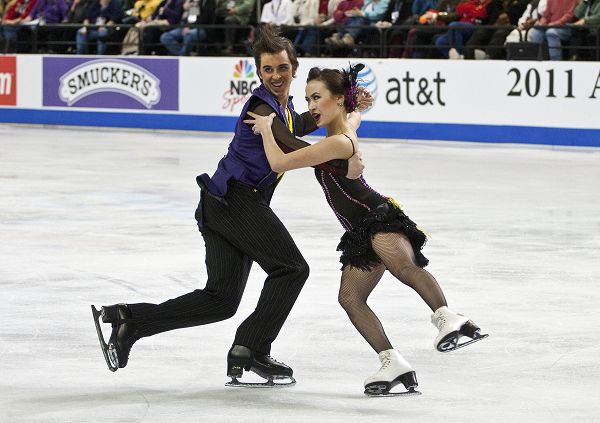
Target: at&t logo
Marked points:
367	79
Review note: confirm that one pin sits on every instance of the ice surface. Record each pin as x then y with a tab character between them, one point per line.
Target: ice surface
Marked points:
96	216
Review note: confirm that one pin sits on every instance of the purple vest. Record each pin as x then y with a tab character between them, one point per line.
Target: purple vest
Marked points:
245	160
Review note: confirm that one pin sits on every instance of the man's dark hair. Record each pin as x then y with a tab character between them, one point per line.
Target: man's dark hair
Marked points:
268	40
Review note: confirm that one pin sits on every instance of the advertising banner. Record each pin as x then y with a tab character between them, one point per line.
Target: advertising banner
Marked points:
8	81
111	83
490	92
543	94
217	86
491	101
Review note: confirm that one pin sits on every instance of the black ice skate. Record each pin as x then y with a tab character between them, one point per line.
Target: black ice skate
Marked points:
395	370
241	358
453	327
122	337
451	342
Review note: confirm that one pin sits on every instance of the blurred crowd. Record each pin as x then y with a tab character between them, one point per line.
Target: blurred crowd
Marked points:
453	29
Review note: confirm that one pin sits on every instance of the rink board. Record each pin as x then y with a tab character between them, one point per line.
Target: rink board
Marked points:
488	101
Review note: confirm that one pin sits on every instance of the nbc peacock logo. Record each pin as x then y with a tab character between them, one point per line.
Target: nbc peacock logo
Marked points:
244	80
243	69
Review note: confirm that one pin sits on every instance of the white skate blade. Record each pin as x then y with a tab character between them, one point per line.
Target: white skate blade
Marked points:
285	381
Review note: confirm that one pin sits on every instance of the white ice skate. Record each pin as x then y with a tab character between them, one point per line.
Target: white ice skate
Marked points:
394	370
452	327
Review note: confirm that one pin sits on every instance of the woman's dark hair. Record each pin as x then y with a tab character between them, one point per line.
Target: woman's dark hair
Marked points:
339	82
268	40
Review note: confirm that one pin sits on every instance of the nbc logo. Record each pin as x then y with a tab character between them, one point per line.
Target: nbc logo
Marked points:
244	80
243	69
244	75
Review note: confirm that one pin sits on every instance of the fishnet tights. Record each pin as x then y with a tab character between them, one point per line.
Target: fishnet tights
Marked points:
397	256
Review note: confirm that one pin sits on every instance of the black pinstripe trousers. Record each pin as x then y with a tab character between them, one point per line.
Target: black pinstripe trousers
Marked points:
236	234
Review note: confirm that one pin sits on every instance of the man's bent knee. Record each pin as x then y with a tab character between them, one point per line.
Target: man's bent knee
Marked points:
228	308
303	270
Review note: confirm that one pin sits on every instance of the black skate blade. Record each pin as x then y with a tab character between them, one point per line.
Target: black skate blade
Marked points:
464	344
270	383
97	315
449	342
472	341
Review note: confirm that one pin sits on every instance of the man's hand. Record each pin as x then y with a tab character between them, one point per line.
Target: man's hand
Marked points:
364	99
260	124
355	166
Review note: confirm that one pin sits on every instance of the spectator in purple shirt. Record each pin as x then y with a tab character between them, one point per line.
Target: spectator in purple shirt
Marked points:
49	12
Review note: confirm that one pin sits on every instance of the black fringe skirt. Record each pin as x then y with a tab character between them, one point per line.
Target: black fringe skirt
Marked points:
356	245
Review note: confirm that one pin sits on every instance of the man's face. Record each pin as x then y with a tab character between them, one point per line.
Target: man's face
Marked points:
277	73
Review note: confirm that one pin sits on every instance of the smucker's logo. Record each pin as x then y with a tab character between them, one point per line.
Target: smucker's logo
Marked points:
117	76
241	85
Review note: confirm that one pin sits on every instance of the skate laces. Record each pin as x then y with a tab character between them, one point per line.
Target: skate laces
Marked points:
385	358
439	321
276	361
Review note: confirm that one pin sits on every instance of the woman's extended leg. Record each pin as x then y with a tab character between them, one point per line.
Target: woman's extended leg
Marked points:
396	253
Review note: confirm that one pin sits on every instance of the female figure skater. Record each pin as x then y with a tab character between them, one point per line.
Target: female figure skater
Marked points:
378	237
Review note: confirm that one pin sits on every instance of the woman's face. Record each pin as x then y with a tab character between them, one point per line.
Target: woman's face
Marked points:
322	104
277	73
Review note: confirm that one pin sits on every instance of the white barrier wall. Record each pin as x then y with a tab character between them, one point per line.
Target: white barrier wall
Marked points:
498	101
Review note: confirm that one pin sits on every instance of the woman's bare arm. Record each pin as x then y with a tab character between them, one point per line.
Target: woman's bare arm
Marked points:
335	147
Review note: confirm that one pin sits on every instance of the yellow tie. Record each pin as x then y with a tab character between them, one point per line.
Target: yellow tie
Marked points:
290	125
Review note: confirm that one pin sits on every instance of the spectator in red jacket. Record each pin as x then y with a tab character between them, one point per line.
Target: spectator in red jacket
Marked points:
469	13
14	14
